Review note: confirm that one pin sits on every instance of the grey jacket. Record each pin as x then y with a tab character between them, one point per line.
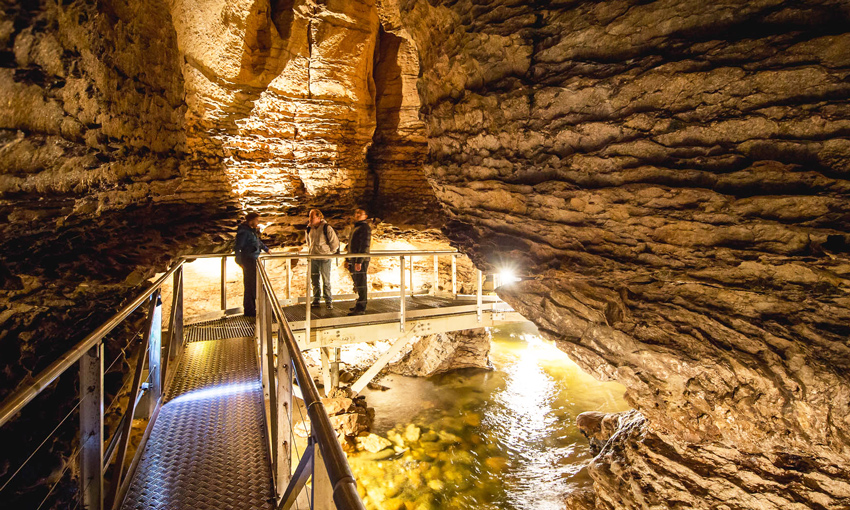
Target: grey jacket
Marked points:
318	243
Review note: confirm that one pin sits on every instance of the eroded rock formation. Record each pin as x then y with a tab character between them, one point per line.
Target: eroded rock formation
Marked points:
677	172
434	354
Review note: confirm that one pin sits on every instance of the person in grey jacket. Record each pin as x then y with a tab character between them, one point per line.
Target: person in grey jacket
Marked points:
321	240
248	248
361	241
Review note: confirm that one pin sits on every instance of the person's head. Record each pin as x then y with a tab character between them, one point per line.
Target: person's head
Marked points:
252	219
360	215
316	217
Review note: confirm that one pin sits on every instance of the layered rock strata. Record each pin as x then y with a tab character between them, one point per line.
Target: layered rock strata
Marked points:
677	173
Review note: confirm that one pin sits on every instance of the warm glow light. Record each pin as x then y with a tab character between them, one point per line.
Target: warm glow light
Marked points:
207	267
507	277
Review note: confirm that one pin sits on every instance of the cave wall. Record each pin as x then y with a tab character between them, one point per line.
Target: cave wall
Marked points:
672	176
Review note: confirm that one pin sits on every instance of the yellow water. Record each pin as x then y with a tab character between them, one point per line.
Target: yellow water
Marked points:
501	439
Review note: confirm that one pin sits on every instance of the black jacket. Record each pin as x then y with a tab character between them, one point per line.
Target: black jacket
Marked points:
248	245
361	241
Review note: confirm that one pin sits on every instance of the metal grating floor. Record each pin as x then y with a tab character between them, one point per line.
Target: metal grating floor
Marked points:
208	448
228	327
297	313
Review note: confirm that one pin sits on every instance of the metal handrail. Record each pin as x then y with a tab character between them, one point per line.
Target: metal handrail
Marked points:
19	399
372	254
342	479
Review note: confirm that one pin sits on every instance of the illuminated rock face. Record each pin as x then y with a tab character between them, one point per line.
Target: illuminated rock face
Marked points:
677	173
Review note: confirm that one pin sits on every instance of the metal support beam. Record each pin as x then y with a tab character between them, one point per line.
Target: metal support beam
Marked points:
175	328
436	281
283	440
308	302
118	470
385	358
224	283
154	393
454	276
480	292
323	491
91	428
335	361
289	278
299	478
326	371
401	304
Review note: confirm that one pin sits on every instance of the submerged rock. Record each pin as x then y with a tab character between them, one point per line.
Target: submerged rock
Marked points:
373	443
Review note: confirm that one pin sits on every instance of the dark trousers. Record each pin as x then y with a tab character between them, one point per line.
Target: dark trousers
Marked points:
249	279
321	267
360	286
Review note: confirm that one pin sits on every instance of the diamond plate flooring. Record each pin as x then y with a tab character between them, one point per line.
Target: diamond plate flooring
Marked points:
208	448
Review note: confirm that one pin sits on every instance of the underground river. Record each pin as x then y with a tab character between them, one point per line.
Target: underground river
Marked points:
500	439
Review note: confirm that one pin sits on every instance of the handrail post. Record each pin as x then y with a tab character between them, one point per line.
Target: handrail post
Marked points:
154	393
401	293
175	329
283	440
323	491
263	338
480	285
224	282
454	276
288	278
91	428
436	282
308	301
118	471
411	275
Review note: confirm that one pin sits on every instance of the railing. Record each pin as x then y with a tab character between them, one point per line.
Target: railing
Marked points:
145	398
281	364
323	461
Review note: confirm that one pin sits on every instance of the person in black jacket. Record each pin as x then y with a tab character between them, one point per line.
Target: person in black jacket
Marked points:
248	247
360	242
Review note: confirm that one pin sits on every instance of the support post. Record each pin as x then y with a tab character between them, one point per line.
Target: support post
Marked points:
335	360
323	491
288	278
401	304
411	275
263	329
154	393
308	300
117	473
224	283
381	362
176	329
283	440
326	370
480	294
91	428
436	281
454	276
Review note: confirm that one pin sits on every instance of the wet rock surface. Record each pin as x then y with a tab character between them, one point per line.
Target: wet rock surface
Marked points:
434	354
676	175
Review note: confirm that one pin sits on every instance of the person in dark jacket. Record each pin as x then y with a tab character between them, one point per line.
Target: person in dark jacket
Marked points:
248	248
360	242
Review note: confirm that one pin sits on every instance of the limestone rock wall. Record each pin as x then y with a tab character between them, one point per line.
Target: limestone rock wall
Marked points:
92	109
676	172
434	354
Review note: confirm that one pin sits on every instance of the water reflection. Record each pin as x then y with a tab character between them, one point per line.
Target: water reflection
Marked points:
504	439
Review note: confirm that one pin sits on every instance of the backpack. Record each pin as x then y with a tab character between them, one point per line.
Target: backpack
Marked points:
325	227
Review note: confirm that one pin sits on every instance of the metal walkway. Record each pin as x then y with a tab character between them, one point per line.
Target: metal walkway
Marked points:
208	448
